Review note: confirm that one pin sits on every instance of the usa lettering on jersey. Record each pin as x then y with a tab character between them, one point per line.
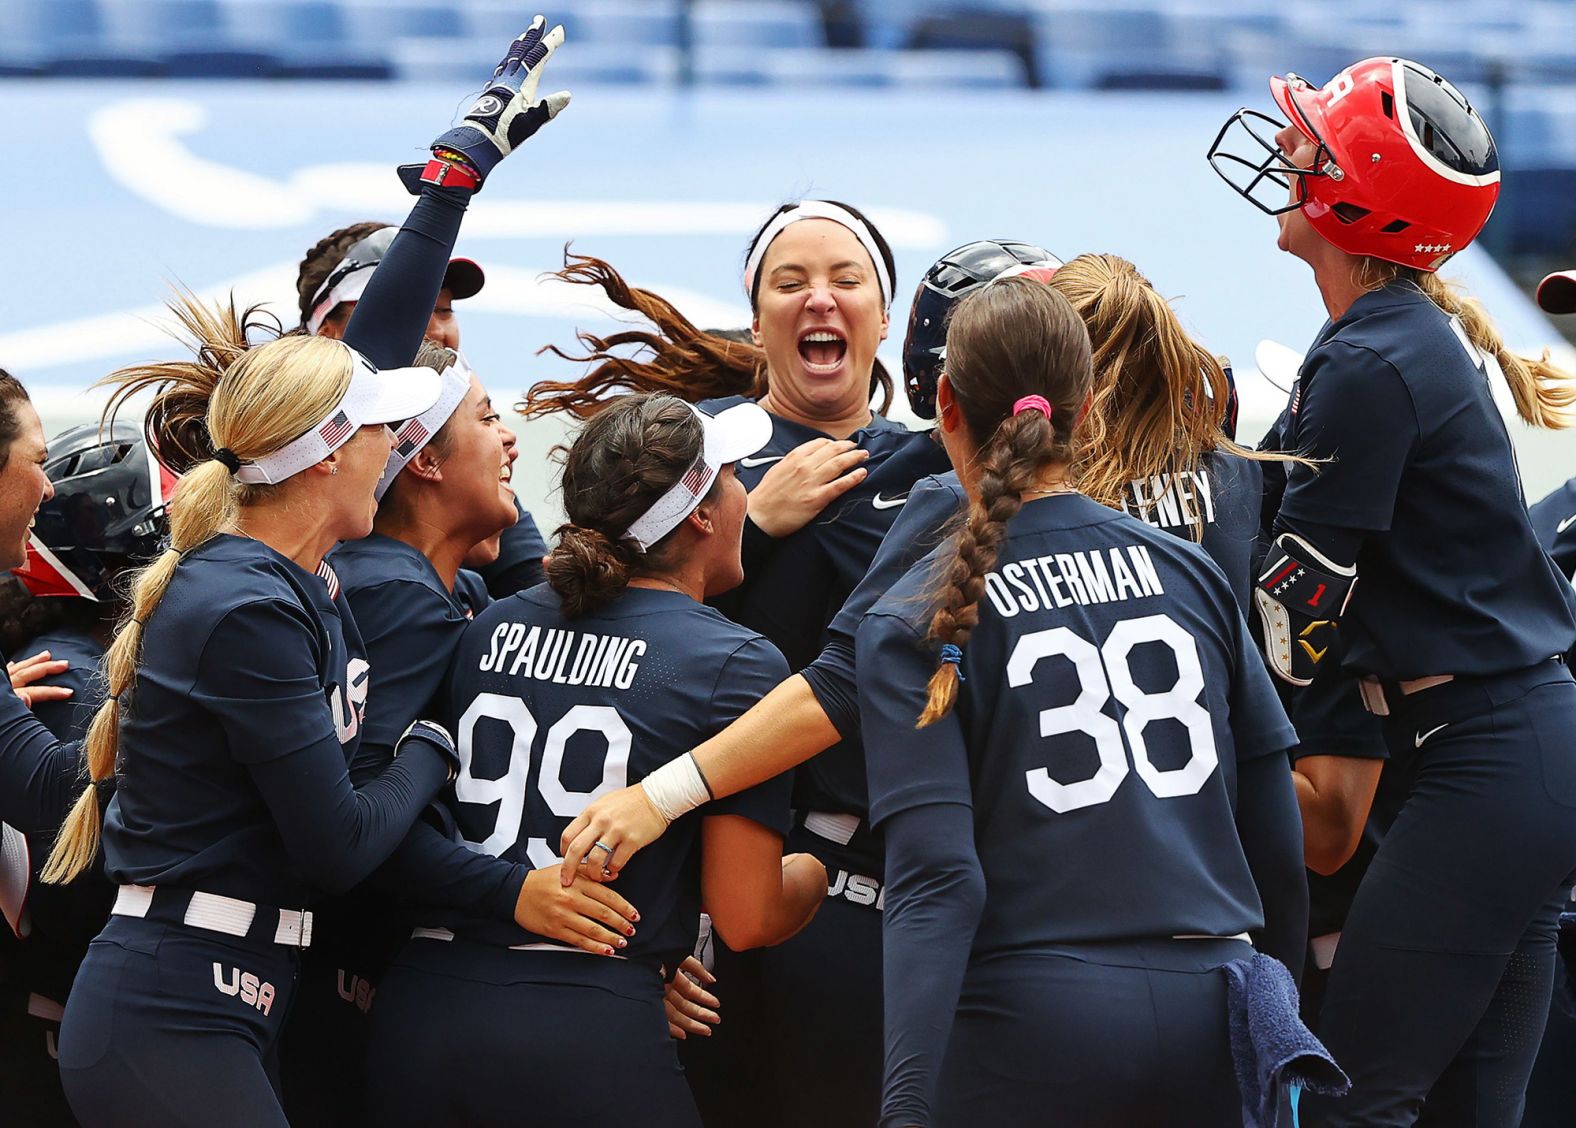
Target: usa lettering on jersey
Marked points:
1064	578
563	656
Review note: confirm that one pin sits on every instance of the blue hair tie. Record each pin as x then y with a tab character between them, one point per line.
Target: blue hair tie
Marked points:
953	654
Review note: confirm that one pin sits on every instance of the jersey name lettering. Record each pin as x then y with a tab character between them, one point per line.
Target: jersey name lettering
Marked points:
1169	501
1094	576
563	656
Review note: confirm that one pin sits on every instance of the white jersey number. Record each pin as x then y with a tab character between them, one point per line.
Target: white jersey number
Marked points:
1104	673
508	790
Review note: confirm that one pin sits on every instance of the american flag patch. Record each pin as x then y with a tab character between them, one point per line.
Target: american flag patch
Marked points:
409	437
697	480
336	430
1296	397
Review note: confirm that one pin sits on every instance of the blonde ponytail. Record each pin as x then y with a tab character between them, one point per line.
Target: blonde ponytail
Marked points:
1544	393
271	393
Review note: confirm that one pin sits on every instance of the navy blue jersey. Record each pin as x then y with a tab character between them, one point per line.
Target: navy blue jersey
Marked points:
409	624
249	665
551	712
470	591
69	719
1220	497
1554	523
1109	692
1395	401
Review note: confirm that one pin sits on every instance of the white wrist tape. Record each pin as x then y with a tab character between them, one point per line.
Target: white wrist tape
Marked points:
676	788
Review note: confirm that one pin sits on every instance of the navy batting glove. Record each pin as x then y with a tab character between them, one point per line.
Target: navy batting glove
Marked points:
435	736
505	114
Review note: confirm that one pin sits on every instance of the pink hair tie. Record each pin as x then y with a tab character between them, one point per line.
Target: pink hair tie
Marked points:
1033	403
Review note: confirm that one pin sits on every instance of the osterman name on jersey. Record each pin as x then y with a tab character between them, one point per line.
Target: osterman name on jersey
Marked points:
1101	575
554	654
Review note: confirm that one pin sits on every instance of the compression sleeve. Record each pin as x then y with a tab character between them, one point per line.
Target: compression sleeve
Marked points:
519	563
434	869
335	833
39	776
1270	826
935	894
390	320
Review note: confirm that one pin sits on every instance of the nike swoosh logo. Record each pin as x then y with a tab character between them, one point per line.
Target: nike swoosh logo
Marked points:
880	502
1565	524
752	463
1417	740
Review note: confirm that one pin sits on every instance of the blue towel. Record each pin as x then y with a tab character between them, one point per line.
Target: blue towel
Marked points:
1270	1046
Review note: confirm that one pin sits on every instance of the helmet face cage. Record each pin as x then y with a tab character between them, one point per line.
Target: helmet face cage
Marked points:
1271	173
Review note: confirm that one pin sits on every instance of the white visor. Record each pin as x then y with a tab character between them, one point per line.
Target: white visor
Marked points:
730	435
1278	363
389	396
348	289
417	432
820	209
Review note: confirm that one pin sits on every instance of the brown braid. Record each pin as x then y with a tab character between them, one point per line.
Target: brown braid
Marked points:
1009	339
324	256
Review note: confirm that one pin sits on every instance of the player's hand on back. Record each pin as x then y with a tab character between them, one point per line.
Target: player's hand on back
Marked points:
690	1007
588	915
603	837
506	113
808	479
25	672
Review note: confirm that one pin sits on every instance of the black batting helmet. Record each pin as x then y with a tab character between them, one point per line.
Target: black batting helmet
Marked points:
957	273
108	512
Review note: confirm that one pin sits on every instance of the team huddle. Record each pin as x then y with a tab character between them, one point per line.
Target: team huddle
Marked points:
1069	762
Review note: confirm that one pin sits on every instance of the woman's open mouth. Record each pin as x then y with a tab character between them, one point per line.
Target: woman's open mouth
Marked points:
822	350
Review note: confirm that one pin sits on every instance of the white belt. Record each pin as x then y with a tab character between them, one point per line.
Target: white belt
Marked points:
1207	936
447	934
1324	949
217	913
833	827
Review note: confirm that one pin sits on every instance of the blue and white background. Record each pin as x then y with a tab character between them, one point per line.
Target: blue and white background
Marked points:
123	189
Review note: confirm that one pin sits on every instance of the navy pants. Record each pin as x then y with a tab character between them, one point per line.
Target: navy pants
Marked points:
800	1038
1441	983
176	1027
1103	1035
474	1034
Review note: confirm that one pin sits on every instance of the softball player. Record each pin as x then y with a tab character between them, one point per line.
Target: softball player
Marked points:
1123	843
1439	985
106	515
235	696
562	692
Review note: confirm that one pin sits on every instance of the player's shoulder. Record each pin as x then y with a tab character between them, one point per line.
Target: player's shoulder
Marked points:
380	566
227	572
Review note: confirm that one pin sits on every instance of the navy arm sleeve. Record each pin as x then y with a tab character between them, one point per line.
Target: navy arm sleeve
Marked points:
919	528
935	893
39	776
435	869
277	723
1270	826
519	563
390	320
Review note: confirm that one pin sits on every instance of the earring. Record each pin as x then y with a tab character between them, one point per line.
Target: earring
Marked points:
332	470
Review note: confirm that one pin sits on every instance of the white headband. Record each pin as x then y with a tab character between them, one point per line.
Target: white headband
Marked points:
418	431
728	436
819	209
389	396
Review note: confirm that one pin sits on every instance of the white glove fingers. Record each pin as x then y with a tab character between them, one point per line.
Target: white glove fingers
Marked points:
555	102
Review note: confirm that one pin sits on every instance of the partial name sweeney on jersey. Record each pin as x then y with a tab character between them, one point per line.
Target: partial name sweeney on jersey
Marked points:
566	657
1065	578
1170	501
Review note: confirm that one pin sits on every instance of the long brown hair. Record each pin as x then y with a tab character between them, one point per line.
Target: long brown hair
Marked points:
1009	339
1160	398
251	399
679	358
1544	392
11	393
623	460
